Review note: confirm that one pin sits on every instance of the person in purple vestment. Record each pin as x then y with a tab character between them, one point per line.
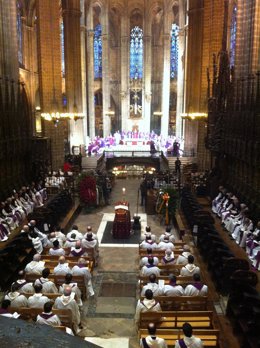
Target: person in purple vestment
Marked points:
189	340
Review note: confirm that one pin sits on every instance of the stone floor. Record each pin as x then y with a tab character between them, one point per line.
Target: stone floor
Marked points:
108	317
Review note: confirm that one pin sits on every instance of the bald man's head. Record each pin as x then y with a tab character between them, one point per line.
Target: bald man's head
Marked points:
67	291
37	257
62	259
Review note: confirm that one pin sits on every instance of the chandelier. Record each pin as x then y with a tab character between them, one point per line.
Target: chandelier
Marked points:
57	116
199	116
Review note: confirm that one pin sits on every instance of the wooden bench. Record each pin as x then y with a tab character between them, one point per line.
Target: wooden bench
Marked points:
59	280
168	269
177	245
209	337
175	319
51	264
31	314
90	252
158	253
181	280
51	295
182	302
70	217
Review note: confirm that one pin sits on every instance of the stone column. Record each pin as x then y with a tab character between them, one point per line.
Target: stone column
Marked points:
166	71
83	38
147	73
181	69
71	19
8	40
90	73
125	32
105	71
49	56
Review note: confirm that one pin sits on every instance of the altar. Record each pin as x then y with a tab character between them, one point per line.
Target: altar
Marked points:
122	221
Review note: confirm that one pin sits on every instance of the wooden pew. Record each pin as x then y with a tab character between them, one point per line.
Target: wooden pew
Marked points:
51	295
209	337
180	280
168	269
31	314
159	253
51	264
175	319
178	303
59	280
90	251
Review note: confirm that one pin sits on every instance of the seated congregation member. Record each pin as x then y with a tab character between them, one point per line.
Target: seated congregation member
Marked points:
78	251
235	219
148	233
36	266
74	288
148	243
150	268
62	268
4	230
56	249
189	340
17	299
152	340
67	301
227	206
91	243
183	258
70	241
217	199
148	304
47	285
197	288
5	310
165	244
43	237
245	230
47	317
24	287
190	268
57	234
82	269
75	230
36	242
89	230
8	215
168	234
37	300
144	260
168	258
172	289
152	285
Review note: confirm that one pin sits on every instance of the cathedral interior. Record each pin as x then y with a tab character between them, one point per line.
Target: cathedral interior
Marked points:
73	72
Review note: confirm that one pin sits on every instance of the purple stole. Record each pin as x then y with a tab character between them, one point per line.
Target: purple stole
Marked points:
167	261
82	266
182	343
20	285
74	252
198	285
4	311
145	345
251	244
151	307
150	266
172	284
3	231
257	260
46	316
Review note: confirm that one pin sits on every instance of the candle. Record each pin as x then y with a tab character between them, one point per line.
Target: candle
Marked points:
123	190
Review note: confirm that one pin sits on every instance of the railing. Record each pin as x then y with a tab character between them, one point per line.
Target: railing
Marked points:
130	153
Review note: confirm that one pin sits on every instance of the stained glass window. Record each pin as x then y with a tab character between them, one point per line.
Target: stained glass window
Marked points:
233	36
19	33
98	52
136	53
62	48
174	50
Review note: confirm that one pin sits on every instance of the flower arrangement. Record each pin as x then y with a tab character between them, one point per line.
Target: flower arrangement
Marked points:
87	189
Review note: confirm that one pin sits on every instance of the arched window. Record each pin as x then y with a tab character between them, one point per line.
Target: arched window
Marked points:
174	50
136	53
19	33
62	48
233	36
98	52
